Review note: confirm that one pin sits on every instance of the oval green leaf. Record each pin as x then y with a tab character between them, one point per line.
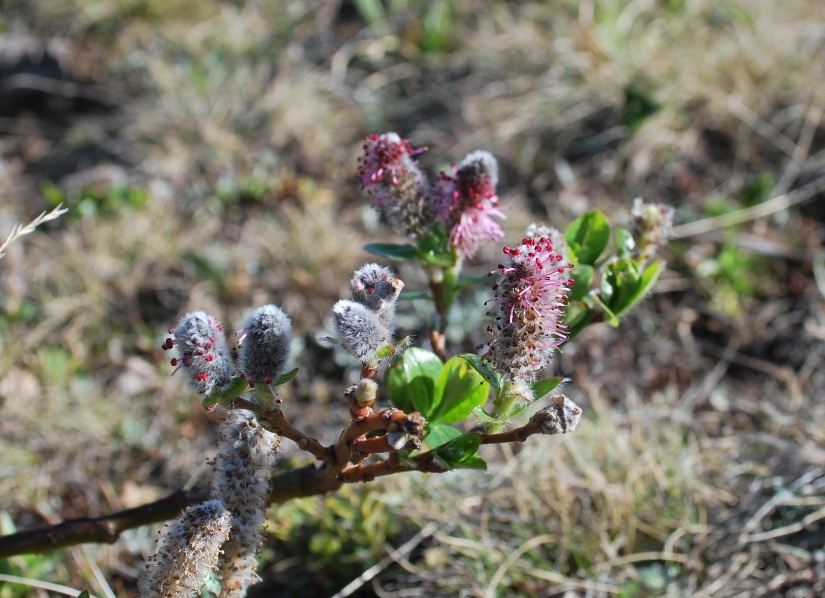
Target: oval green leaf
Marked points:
587	236
458	390
411	381
583	275
392	251
485	369
541	388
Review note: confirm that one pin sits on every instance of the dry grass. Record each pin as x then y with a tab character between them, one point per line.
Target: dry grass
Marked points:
699	470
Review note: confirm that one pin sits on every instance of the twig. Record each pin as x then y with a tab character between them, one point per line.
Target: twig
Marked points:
766	208
787	530
282	427
19	230
41	585
403	550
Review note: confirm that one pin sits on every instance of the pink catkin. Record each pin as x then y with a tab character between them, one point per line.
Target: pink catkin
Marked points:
467	203
399	189
529	299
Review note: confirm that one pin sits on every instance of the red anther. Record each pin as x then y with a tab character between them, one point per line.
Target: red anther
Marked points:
571	282
269	379
174	361
171	331
210	357
279	401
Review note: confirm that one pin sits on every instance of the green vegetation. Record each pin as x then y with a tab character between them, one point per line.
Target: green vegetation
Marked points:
236	125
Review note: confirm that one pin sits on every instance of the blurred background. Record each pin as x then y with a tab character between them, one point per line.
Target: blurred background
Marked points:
207	152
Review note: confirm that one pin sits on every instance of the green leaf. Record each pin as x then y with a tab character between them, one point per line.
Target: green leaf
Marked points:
83	594
385	351
473	462
435	249
460	451
481	414
411	381
583	275
284	378
236	387
485	369
610	317
458	390
621	281
587	236
440	433
577	316
392	251
623	239
541	388
644	285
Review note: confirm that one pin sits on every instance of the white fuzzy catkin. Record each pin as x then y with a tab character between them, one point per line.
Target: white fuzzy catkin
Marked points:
362	333
202	352
187	553
264	344
377	288
246	457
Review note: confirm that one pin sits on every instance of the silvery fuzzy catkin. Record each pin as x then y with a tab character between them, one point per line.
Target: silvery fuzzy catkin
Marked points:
202	352
187	553
376	287
246	457
264	344
361	332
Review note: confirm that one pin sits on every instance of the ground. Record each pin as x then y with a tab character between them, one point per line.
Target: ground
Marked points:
207	152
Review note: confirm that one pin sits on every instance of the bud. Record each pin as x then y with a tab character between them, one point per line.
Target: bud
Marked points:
377	289
364	392
652	226
202	352
361	332
466	202
559	418
246	457
264	345
398	187
188	552
516	393
529	299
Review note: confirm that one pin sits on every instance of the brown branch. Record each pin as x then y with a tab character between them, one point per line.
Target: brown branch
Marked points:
282	427
381	444
103	529
294	483
560	417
